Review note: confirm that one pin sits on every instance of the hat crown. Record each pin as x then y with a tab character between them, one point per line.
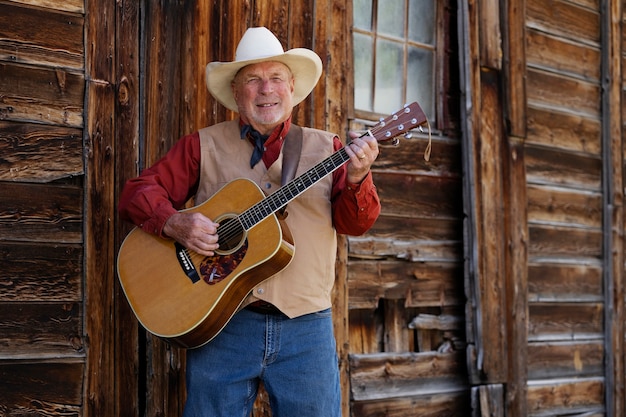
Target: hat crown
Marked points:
258	43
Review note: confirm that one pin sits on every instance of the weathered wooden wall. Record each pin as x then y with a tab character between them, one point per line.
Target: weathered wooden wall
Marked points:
493	281
549	240
570	178
42	316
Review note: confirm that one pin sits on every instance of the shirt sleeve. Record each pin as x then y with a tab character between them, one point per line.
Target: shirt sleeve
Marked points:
161	190
355	207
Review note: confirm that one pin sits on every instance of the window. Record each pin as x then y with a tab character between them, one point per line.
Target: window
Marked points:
395	55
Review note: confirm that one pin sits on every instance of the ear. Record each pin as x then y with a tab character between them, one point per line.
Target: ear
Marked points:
233	90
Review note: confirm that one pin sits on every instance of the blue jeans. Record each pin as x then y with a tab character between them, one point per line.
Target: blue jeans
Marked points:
295	358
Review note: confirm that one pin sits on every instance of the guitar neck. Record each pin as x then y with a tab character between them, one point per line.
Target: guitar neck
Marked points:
387	129
288	192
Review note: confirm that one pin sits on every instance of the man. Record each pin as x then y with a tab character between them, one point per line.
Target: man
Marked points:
283	334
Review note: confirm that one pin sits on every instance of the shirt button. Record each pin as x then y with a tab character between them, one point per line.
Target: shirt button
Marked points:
260	290
268	185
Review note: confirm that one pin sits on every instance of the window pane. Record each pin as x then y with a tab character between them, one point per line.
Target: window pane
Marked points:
420	80
391	17
363	68
363	14
389	79
422	21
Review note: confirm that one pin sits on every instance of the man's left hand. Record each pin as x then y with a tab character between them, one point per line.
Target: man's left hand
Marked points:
363	151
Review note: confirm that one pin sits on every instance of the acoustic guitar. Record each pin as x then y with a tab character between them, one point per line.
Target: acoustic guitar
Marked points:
187	298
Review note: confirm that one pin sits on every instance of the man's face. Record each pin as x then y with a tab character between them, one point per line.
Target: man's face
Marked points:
264	94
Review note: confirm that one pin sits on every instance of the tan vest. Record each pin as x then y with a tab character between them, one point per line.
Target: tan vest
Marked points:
305	285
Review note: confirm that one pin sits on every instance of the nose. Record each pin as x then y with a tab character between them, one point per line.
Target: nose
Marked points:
266	86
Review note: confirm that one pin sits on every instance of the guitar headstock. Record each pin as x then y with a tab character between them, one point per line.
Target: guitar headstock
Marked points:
409	117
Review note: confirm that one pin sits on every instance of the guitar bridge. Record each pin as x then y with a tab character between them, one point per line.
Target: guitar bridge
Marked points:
185	263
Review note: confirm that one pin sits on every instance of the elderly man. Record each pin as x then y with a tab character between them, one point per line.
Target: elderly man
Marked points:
283	333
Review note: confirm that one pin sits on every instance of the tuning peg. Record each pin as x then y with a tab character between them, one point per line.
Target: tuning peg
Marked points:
408	135
395	141
420	128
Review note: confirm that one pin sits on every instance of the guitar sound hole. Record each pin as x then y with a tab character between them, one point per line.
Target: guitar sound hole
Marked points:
231	235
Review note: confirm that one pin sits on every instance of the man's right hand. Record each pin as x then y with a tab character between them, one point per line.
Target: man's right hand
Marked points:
194	231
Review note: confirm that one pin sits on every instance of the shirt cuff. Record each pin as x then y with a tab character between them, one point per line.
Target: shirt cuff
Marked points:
155	224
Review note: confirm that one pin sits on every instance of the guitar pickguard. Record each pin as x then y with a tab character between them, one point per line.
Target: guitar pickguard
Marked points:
216	268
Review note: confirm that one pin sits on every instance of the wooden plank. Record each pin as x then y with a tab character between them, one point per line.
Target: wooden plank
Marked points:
163	22
41	272
41	95
561	168
455	403
570	243
23	38
516	287
469	86
515	56
365	330
396	334
490	36
568	359
488	400
564	206
197	31
422	229
41	213
39	153
431	284
41	388
562	281
384	375
41	329
552	128
417	195
565	321
127	376
77	6
490	239
407	157
564	18
613	180
99	391
552	53
580	396
564	94
414	251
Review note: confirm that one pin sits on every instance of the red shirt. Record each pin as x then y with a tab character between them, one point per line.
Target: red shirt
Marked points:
159	191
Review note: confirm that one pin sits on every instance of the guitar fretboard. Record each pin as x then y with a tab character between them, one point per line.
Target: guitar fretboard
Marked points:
292	189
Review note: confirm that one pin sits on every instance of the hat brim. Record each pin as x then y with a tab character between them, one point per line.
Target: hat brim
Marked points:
305	65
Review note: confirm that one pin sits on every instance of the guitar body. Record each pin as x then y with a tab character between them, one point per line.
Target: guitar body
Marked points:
186	298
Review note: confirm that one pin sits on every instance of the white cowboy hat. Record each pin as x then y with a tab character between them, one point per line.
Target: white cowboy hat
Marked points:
259	45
